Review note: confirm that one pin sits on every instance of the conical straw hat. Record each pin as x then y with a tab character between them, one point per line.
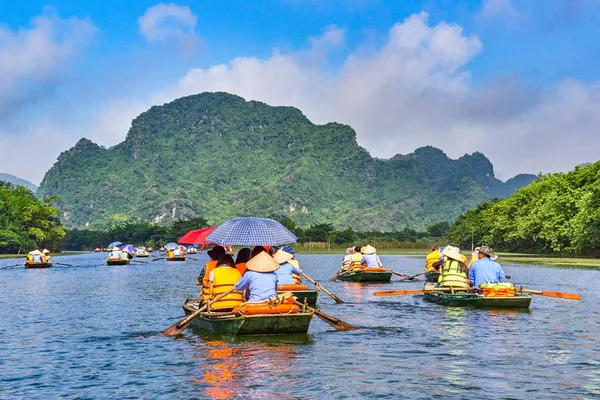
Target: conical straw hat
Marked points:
282	256
368	249
452	252
34	252
45	251
262	262
116	249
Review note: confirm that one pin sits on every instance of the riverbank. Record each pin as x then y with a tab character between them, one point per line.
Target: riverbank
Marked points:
64	253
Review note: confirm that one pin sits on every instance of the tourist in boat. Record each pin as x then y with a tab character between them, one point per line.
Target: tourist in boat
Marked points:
370	259
485	269
432	258
35	256
348	257
242	258
256	250
294	262
356	257
215	254
259	278
220	280
46	255
453	269
286	269
115	253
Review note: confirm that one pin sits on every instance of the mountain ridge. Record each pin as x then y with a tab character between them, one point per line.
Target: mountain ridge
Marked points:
15	180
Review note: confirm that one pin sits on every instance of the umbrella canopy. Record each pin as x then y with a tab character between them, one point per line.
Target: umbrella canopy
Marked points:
113	244
171	246
128	248
197	236
251	231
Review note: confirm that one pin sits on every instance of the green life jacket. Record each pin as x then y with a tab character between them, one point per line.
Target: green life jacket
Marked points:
453	274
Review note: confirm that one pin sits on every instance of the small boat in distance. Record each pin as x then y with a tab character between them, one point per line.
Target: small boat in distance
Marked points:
366	275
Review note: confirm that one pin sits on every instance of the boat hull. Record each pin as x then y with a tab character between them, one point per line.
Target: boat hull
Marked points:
117	262
142	255
260	324
311	296
478	301
175	258
365	276
33	264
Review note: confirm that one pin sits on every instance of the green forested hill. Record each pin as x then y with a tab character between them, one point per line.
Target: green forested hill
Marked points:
557	213
15	180
218	156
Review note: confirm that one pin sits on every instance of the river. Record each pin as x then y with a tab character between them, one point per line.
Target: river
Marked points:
90	331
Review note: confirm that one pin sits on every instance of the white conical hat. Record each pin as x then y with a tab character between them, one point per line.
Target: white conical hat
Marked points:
46	251
368	249
282	256
262	262
452	252
116	249
35	252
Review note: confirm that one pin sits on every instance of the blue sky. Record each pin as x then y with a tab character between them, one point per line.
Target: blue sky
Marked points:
516	80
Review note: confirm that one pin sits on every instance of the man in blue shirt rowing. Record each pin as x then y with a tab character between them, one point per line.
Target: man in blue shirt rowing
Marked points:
485	270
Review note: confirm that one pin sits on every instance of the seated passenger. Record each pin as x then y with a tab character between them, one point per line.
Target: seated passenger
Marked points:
215	254
294	262
220	280
485	270
370	259
260	277
432	258
37	256
356	257
453	270
242	258
115	253
285	271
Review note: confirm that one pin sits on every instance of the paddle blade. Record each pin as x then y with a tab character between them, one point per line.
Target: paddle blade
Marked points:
176	328
338	324
399	292
333	279
562	295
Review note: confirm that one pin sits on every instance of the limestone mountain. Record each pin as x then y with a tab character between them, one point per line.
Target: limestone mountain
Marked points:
218	156
15	180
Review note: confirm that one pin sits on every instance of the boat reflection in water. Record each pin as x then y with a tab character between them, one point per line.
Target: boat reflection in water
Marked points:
232	369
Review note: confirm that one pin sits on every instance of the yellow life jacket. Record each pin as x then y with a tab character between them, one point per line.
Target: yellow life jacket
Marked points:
212	264
356	257
431	258
224	279
453	274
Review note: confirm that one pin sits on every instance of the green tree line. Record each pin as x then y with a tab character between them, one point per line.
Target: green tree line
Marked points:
27	223
558	213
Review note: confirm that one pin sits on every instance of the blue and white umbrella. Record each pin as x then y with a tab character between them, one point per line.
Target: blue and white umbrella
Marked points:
171	246
251	231
113	244
128	248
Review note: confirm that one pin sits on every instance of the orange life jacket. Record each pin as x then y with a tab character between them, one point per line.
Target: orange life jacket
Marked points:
224	279
241	267
212	264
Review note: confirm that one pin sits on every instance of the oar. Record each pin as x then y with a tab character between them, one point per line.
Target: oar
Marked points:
156	259
412	277
333	279
560	295
406	277
142	262
66	265
102	263
12	266
178	327
418	291
338	324
192	258
308	278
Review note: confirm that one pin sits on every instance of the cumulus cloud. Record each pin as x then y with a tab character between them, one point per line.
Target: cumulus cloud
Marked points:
415	91
32	57
113	121
165	21
498	9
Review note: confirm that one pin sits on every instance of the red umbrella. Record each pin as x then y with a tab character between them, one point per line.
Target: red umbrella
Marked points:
197	236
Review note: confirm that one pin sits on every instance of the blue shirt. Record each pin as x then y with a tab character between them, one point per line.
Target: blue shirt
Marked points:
485	270
372	260
284	273
261	284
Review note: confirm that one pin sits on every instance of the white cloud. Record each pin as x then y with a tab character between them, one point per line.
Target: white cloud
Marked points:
113	122
416	91
498	9
34	56
164	21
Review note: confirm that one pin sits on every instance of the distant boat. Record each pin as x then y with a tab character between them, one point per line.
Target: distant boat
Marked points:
38	264
97	250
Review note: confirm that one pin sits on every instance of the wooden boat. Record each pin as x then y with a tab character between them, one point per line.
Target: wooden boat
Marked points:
192	250
257	324
97	250
311	296
150	249
142	255
176	258
432	276
366	275
38	264
117	261
475	300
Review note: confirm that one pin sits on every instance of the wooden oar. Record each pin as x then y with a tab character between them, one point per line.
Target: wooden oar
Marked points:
192	258
66	265
338	324
333	279
406	277
560	295
102	263
308	278
412	277
178	327
418	291
156	259
138	261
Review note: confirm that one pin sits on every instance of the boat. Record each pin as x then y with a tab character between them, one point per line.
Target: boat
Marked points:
311	296
476	300
255	324
176	258
117	261
432	276
38	264
97	250
366	275
150	249
191	250
141	252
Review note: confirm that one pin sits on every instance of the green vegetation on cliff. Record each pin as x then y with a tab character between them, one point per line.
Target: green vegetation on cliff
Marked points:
557	213
219	156
27	223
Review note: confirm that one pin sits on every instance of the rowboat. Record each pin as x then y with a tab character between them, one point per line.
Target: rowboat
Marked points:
432	276
38	264
365	275
176	258
475	300
117	261
311	296
257	324
142	255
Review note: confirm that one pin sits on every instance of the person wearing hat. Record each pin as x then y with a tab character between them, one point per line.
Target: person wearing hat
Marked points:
260	278
215	253
35	256
370	259
242	258
294	262
115	253
453	270
220	280
432	258
285	271
485	269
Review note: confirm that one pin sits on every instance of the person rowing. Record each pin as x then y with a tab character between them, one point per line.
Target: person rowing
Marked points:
286	271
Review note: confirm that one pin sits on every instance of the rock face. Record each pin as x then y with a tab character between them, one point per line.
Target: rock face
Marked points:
218	156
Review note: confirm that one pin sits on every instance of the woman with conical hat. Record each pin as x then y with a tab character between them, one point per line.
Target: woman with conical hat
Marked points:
453	271
286	269
260	278
370	259
115	253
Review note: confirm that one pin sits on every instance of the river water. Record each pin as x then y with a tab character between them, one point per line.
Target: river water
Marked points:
90	331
